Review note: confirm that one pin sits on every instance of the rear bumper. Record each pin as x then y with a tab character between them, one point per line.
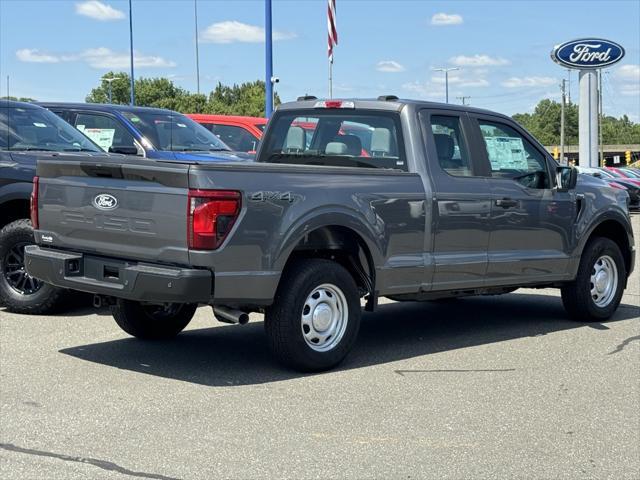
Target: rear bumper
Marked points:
119	278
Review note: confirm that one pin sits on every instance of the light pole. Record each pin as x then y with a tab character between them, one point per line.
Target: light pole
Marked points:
133	95
109	81
195	12
446	79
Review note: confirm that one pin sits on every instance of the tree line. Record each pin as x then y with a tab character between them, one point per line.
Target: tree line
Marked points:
245	99
544	124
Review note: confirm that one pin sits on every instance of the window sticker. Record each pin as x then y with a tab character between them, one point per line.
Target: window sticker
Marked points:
102	136
506	153
39	125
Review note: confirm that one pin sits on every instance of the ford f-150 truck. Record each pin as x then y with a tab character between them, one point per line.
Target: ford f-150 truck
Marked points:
444	201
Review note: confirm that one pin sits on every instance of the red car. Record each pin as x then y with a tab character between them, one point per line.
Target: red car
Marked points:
242	134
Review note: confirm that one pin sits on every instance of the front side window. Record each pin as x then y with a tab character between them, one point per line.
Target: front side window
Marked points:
450	148
512	156
174	132
105	131
37	129
337	137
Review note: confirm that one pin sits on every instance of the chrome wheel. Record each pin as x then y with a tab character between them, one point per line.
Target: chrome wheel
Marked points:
324	317
604	281
15	273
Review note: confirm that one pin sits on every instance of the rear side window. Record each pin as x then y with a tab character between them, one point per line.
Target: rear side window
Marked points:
237	138
105	131
337	137
453	156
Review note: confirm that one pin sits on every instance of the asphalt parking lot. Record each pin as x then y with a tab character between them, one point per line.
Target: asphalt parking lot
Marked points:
494	387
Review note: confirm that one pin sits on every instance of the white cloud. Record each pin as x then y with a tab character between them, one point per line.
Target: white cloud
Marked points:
461	80
33	55
98	11
515	82
106	58
630	89
100	57
446	19
390	66
425	90
232	31
477	61
629	72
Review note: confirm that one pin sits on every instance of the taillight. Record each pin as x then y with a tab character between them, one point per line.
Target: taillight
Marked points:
210	216
34	203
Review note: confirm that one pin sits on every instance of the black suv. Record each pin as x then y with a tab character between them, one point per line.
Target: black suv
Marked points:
27	132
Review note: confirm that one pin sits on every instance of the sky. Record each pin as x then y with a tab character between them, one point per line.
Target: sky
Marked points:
57	50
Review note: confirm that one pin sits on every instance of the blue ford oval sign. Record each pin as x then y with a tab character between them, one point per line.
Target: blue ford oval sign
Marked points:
587	53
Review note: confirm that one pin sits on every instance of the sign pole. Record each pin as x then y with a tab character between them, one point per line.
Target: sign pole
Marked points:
562	161
588	119
268	61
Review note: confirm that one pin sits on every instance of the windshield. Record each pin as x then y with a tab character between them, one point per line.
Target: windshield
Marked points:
30	128
337	137
175	132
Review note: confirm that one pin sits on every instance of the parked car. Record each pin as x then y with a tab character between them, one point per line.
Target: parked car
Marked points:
622	176
147	132
450	201
28	132
619	183
242	134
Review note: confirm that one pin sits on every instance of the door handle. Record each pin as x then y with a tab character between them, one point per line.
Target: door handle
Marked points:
506	203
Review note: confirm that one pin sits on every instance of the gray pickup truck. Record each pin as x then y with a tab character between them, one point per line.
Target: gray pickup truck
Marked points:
347	201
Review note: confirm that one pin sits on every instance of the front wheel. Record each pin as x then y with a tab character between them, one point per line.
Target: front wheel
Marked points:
19	291
150	321
597	290
315	318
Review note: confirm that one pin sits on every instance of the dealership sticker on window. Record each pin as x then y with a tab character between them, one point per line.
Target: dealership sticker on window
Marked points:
102	136
506	153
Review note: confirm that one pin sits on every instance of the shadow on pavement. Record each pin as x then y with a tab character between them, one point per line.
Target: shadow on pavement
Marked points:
238	355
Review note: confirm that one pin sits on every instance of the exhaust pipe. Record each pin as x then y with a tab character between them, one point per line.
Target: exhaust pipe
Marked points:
229	315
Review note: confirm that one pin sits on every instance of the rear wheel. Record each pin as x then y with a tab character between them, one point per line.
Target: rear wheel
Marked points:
19	291
315	318
150	321
597	290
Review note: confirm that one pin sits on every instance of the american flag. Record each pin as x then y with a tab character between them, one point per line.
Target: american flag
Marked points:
331	24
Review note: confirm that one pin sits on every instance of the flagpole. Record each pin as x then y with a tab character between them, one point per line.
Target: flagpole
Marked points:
331	78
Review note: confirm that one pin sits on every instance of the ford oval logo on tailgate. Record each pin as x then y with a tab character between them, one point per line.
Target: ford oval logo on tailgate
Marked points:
104	201
587	53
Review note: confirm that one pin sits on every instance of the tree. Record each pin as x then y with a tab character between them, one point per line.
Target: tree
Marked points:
18	99
244	99
544	124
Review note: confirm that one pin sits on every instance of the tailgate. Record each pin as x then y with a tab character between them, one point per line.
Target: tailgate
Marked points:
136	211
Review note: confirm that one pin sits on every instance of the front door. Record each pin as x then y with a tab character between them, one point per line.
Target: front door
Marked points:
461	203
531	222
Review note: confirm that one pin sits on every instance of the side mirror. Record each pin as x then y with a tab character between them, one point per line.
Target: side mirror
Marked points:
125	150
566	178
597	175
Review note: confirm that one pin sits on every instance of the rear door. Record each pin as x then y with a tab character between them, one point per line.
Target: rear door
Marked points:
531	222
461	201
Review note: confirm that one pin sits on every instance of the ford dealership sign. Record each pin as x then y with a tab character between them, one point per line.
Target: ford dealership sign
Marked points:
587	53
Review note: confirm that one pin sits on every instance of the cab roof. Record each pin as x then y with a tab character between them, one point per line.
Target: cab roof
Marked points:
392	104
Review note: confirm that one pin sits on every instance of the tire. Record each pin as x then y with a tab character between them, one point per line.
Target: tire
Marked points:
319	289
597	290
152	322
19	291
